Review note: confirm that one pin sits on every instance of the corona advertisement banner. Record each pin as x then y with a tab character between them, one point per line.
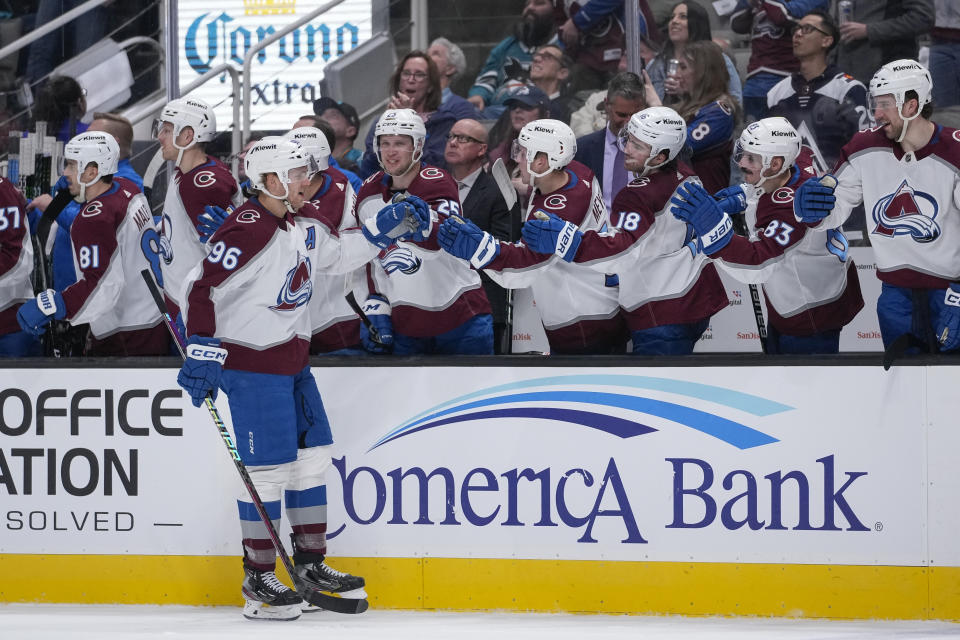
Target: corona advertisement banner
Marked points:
285	75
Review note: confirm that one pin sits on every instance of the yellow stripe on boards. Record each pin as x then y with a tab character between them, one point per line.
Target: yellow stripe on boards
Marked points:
813	591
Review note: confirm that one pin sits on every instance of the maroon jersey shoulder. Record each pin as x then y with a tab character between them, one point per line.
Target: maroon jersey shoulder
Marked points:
947	145
571	202
433	183
210	183
650	193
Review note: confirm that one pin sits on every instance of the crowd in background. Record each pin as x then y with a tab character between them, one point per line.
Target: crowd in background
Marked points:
809	62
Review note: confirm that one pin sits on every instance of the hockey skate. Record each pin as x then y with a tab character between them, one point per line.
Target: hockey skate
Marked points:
267	598
313	573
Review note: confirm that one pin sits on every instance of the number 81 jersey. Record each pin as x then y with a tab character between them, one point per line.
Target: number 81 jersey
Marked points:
107	236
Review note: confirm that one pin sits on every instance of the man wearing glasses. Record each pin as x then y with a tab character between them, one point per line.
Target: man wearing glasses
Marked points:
484	205
549	71
825	105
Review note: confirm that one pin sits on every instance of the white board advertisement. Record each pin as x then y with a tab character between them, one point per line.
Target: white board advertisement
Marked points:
285	76
775	464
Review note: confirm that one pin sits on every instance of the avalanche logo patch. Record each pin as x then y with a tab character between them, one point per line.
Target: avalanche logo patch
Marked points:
92	209
782	195
400	259
204	179
907	211
612	404
298	287
555	201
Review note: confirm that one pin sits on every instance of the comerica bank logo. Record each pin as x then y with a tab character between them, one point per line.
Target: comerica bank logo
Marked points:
607	490
535	399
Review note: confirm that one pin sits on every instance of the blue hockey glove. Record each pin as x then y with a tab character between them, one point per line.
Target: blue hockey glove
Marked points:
417	215
814	199
732	199
34	315
463	239
210	220
389	225
377	310
948	326
550	234
696	207
202	368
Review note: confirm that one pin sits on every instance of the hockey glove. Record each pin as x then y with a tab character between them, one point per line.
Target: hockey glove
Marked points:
948	328
377	310
202	368
814	199
34	315
389	225
732	199
210	220
462	238
551	234
416	215
696	207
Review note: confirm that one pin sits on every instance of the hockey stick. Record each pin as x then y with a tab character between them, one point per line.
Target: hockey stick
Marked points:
53	342
316	598
357	309
740	227
509	193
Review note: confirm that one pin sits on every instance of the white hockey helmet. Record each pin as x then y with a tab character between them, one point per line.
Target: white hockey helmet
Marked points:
401	122
316	144
189	112
896	78
768	139
552	137
276	154
92	147
660	127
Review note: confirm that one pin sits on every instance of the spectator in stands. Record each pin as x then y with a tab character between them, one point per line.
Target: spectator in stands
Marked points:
945	54
771	51
881	31
319	123
594	36
61	103
482	202
710	112
599	150
689	22
549	72
346	126
507	65
824	105
525	104
416	85
451	63
72	39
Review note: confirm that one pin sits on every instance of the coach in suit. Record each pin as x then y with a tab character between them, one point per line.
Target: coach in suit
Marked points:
482	202
599	150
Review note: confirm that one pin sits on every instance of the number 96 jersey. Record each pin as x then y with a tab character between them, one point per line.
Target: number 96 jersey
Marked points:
252	292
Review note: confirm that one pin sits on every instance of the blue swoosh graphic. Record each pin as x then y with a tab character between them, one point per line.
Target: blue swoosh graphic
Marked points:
746	402
734	433
601	421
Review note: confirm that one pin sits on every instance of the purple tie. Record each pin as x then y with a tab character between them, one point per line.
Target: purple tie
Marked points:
619	175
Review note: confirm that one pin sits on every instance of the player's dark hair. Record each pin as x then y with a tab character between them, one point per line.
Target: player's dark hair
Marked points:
328	132
829	25
927	111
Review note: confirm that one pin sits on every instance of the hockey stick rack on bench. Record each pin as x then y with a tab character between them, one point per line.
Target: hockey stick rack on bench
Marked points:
316	598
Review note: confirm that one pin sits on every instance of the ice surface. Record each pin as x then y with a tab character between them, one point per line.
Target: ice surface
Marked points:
102	622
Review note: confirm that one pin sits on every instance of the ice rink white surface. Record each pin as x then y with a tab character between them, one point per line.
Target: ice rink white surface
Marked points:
100	622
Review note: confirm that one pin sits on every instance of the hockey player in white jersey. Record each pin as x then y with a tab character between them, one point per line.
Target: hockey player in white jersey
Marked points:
249	326
420	299
109	238
810	287
578	307
184	127
335	326
906	172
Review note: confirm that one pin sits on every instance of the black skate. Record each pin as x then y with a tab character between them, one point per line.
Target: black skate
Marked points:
313	573
267	598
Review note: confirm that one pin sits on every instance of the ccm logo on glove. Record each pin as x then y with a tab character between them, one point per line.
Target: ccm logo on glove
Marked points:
201	352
